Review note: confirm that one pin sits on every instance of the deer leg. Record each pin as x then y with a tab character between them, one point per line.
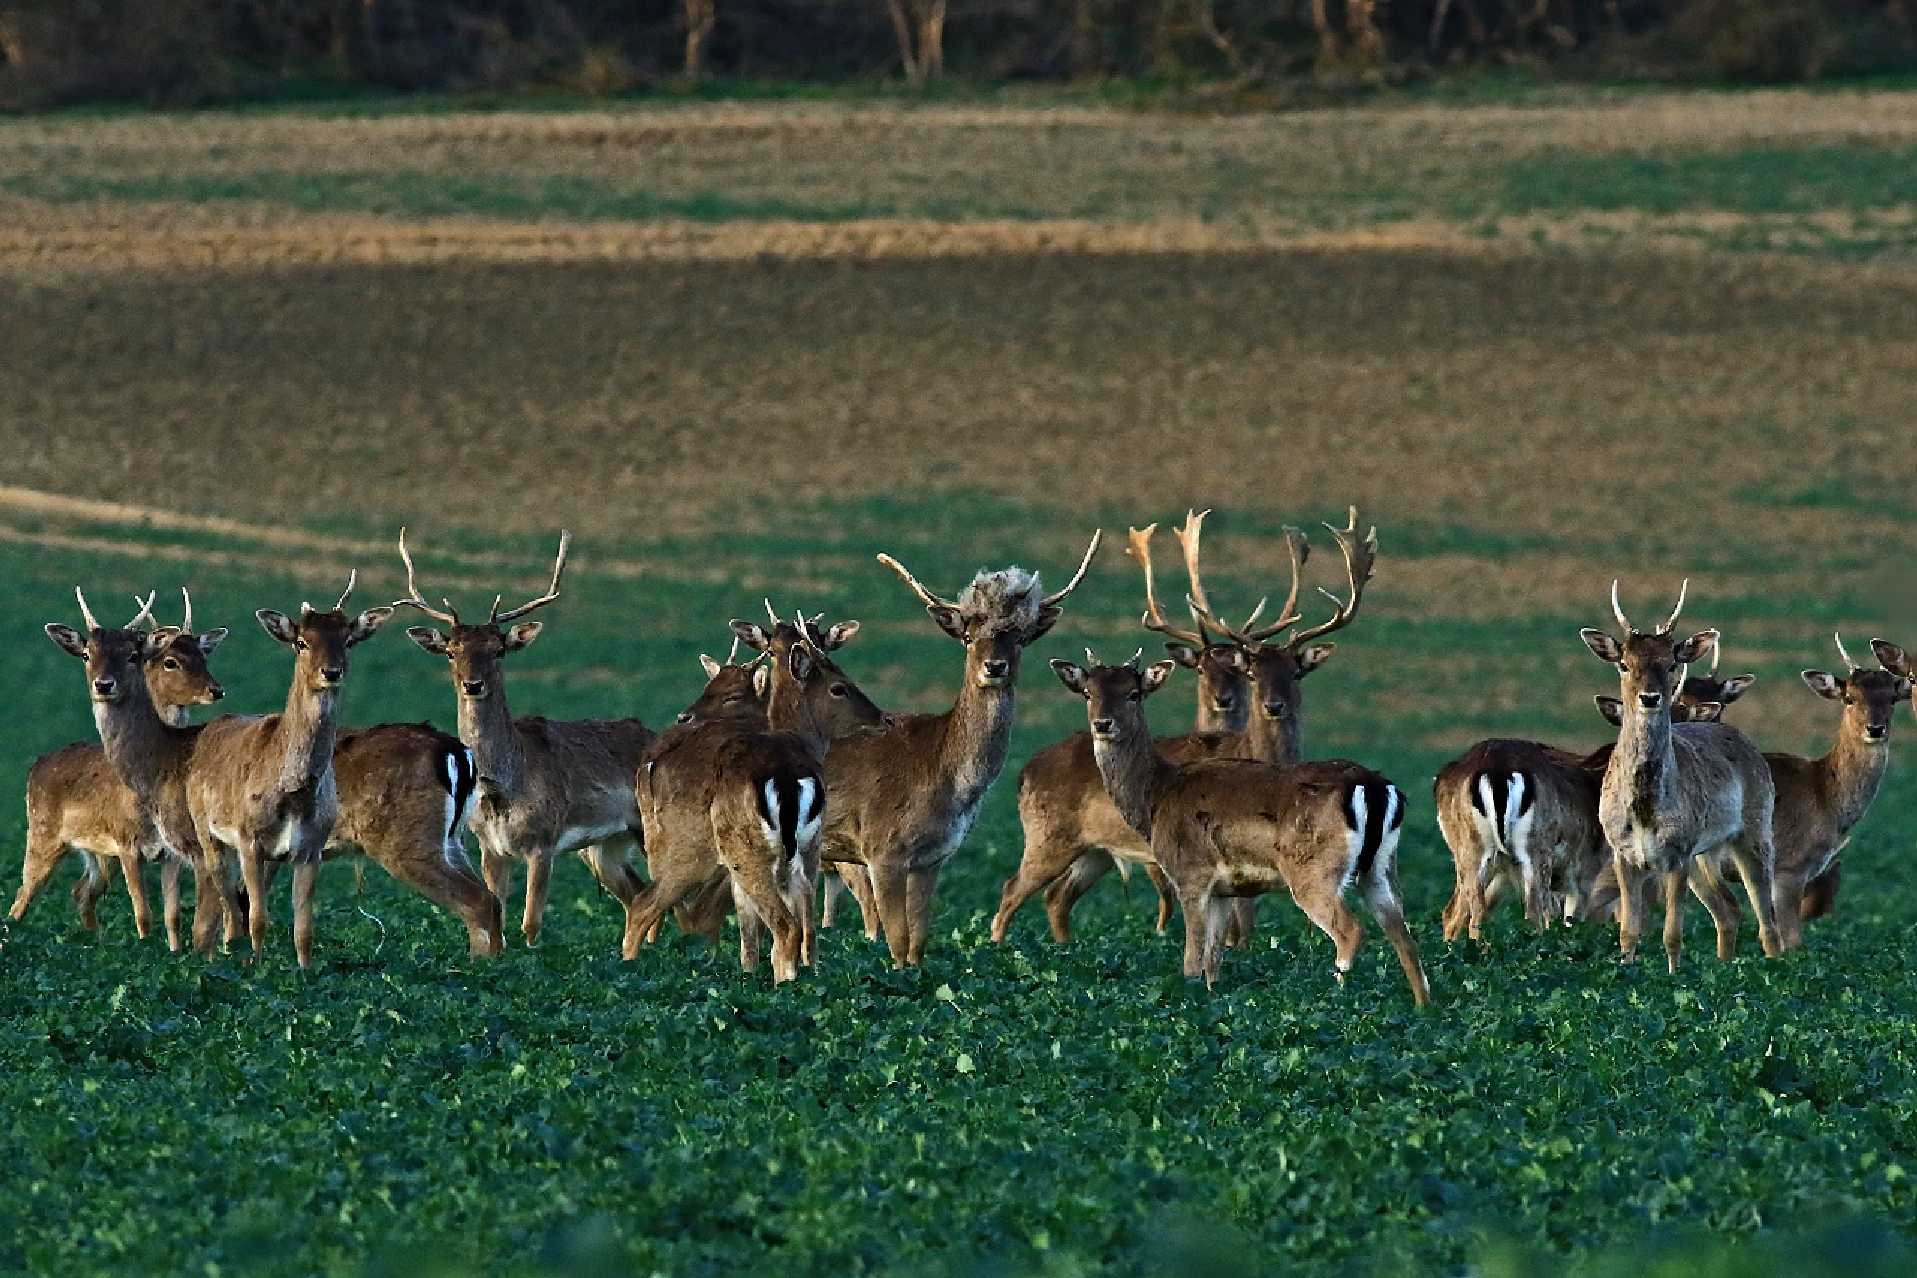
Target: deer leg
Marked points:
612	866
87	892
1166	897
1755	866
1324	908
705	914
920	885
1630	908
359	876
1602	899
44	854
1218	913
761	907
1787	894
889	894
858	881
1710	889
1197	907
452	886
1063	893
751	929
305	879
834	887
1674	881
1382	899
673	879
538	880
1242	923
1035	873
1820	894
170	867
253	872
131	869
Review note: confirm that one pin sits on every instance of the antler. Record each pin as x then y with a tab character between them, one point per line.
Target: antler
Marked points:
1299	550
187	598
86	613
352	579
1717	651
1360	555
1850	667
552	591
1056	598
1139	547
146	609
414	599
1617	610
1671	620
917	587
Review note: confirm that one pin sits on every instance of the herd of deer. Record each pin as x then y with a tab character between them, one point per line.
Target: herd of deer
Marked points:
783	769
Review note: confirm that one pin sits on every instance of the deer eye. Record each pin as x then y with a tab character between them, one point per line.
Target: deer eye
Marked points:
1134	695
837	690
170	664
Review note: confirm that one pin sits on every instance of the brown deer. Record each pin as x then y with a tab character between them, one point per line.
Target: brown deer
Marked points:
546	786
76	802
905	795
743	799
1072	829
1227	828
262	789
1673	793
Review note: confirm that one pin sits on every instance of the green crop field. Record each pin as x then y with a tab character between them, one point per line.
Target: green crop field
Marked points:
740	349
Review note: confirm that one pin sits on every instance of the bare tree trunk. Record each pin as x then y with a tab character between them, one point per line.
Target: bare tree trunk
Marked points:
700	16
902	31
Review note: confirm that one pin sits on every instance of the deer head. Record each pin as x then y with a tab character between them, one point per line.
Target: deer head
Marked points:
997	616
320	638
176	663
477	649
113	655
1650	666
1870	697
1114	695
833	701
1222	681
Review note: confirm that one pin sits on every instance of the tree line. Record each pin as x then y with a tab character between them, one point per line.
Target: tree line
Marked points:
54	51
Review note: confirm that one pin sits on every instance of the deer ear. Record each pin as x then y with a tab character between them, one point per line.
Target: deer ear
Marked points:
1824	684
1154	676
1313	657
761	681
211	640
948	620
1184	654
1735	688
279	625
1069	675
798	660
1612	709
367	624
751	634
69	639
1047	618
840	635
1891	657
712	667
1603	644
1696	648
1705	712
522	635
429	639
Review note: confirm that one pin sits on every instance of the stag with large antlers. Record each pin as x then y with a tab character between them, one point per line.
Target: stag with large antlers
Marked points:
1676	792
1228	828
545	786
1249	690
261	789
76	802
904	796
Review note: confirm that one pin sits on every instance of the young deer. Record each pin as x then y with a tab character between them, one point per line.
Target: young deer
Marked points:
262	789
546	786
1072	829
1524	814
1674	793
76	803
727	797
905	795
1227	828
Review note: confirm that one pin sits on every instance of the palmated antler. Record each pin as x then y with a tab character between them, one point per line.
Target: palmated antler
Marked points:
552	591
1360	555
414	599
1139	547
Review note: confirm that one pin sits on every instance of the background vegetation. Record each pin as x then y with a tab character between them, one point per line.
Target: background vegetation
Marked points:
54	51
740	348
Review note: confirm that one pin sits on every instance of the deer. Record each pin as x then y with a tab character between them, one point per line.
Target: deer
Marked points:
545	786
742	798
1226	828
150	756
905	795
261	789
76	802
1674	793
1523	813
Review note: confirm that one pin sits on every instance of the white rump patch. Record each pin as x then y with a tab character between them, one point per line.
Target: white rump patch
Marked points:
1360	808
811	812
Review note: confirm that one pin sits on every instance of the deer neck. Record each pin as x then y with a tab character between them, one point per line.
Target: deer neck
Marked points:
978	731
486	728
1270	740
1852	771
786	711
305	736
141	747
1135	774
1645	760
172	716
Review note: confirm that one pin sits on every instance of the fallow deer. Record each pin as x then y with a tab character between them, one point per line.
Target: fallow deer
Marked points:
546	786
1673	793
904	796
725	796
1072	829
76	802
262	789
1227	828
